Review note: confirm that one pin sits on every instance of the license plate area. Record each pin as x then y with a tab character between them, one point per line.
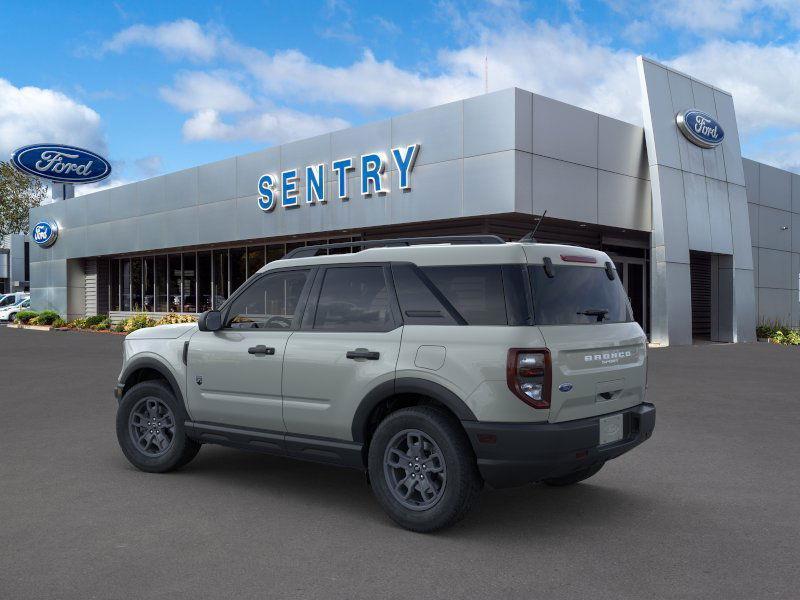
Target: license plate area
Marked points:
612	429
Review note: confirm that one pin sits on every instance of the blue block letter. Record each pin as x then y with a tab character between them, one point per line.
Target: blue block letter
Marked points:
289	188
315	184
341	167
404	158
372	167
266	192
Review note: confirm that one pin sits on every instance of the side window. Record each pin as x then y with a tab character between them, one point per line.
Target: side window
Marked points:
353	299
269	303
476	292
418	303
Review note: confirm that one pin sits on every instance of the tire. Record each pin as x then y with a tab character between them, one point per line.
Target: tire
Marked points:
168	448
453	483
575	477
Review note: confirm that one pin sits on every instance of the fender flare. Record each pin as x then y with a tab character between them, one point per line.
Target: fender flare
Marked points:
407	385
148	362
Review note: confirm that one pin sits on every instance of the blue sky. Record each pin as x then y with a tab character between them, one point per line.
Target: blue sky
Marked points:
159	86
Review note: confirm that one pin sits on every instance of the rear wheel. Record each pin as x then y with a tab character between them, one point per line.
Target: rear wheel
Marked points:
150	428
575	477
422	469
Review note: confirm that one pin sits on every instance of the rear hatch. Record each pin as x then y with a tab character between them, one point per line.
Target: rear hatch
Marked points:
598	352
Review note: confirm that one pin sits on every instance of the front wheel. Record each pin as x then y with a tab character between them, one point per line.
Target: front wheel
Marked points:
422	469
150	428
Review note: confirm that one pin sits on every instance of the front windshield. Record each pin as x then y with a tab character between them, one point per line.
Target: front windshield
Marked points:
578	295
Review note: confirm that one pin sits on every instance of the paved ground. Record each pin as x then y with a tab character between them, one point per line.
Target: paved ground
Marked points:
709	508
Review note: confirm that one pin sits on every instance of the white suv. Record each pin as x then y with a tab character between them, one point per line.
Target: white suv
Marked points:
433	364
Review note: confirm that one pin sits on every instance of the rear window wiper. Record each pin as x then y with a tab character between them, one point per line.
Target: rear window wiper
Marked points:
600	313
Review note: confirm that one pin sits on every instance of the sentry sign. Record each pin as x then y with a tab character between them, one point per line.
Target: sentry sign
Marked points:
64	164
284	189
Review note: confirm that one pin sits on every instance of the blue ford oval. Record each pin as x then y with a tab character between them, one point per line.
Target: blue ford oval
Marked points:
44	233
65	164
700	128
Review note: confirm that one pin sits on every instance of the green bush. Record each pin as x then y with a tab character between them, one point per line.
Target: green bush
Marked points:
171	318
137	321
119	327
103	325
24	316
46	317
779	333
59	322
94	320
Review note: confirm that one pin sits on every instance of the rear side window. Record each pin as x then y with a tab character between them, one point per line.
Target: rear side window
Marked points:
577	295
418	302
353	299
476	292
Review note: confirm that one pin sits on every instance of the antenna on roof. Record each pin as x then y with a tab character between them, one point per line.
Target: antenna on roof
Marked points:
529	236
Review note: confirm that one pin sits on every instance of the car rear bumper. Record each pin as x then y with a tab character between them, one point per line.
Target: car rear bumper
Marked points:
511	454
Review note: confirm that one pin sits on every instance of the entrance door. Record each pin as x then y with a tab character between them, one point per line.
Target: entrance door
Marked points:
234	374
633	276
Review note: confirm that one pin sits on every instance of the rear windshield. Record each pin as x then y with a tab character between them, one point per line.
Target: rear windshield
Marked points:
577	295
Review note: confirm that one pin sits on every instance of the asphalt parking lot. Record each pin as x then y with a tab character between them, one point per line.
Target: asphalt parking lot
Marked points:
708	508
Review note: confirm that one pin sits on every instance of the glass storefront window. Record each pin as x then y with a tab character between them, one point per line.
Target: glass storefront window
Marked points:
275	251
189	281
174	283
113	278
220	266
125	294
203	281
255	259
147	284
160	283
238	268
136	284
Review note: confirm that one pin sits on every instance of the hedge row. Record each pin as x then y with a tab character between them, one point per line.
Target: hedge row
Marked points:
99	322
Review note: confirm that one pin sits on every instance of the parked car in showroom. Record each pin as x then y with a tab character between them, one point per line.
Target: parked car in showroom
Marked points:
9	312
434	365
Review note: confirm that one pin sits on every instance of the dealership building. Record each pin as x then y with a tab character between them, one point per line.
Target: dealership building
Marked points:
707	244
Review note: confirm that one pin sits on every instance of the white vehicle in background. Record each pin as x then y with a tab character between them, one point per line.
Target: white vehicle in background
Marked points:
13	298
7	313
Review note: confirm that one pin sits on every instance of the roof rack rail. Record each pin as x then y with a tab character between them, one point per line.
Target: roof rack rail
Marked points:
307	251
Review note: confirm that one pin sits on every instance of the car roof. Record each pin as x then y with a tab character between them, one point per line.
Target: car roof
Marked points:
455	254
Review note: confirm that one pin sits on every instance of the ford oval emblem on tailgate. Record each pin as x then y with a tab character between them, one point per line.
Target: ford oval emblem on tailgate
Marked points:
565	387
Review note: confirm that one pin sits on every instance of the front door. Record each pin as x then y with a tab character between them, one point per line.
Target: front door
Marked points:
234	374
348	344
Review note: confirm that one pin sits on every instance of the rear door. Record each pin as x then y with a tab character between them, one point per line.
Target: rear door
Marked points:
598	351
348	344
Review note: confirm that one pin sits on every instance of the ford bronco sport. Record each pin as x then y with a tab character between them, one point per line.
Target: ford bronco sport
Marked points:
432	364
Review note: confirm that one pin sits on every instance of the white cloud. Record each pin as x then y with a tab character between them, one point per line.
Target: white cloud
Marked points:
198	90
150	166
30	114
181	38
764	80
278	125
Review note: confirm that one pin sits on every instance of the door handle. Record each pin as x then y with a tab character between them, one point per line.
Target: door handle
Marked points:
261	350
363	353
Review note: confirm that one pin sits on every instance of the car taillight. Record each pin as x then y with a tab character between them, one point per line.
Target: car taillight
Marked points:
528	373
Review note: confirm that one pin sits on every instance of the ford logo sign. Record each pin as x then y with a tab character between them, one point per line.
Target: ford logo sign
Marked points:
65	164
700	128
565	387
44	233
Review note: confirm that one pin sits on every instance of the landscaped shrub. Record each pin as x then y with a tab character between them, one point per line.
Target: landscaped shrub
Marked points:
24	316
119	327
103	325
59	322
137	321
779	333
46	317
172	318
94	320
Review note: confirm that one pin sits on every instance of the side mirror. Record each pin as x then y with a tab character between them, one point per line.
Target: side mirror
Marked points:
211	320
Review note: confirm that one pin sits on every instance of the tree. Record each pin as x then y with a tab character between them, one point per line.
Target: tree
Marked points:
18	194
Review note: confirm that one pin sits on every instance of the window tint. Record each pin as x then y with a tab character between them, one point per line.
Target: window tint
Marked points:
417	302
577	295
269	303
476	292
353	299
